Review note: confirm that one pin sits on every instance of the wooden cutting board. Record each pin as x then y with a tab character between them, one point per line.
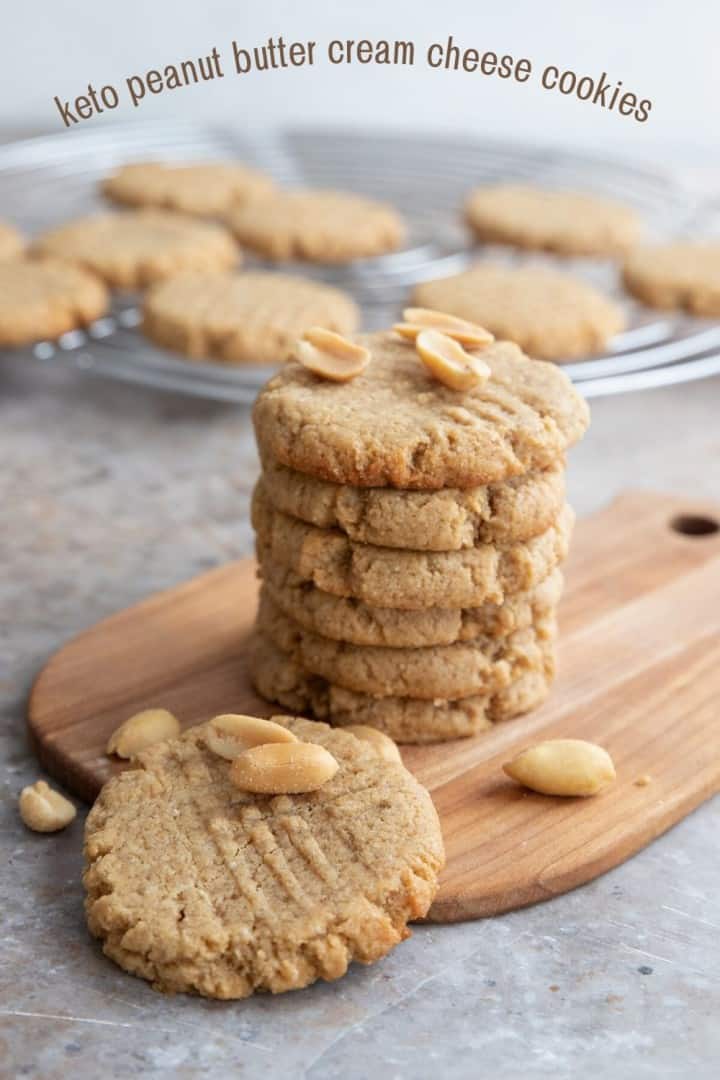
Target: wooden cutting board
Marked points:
639	673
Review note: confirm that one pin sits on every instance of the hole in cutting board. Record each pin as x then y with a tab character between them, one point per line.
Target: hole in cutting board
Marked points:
694	525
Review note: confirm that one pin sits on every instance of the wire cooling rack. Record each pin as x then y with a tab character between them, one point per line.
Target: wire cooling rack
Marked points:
47	180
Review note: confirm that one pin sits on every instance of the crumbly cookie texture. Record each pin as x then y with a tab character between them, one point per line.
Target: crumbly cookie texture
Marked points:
445	520
395	425
136	248
318	225
344	619
390	577
683	275
191	188
464	669
198	886
548	314
253	318
44	298
11	242
569	223
278	677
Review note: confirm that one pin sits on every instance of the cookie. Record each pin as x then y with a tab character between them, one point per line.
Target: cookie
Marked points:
318	226
242	318
192	188
198	886
467	668
681	275
11	242
350	620
446	520
133	249
565	222
44	298
277	677
395	425
390	577
548	314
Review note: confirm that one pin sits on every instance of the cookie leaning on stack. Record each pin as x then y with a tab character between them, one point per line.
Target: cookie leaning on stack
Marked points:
409	534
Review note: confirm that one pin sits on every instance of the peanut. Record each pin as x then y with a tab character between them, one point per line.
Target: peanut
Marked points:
330	355
381	743
460	330
43	809
142	730
283	768
231	733
563	767
448	361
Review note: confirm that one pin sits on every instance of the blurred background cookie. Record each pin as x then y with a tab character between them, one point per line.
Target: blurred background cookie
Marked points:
565	222
138	247
683	275
318	225
11	242
202	188
243	318
547	313
44	298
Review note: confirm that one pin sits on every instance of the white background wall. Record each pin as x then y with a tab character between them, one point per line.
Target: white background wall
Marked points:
666	51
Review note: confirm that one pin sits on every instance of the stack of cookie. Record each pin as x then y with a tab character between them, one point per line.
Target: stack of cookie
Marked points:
410	533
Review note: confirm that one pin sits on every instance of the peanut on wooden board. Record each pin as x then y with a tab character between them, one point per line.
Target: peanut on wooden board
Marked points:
381	743
563	767
142	730
283	768
43	809
330	355
231	733
466	333
449	363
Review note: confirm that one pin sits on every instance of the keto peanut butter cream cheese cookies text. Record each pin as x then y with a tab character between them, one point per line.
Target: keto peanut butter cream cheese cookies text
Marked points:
410	528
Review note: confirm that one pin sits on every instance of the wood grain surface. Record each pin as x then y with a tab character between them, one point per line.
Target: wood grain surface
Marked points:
639	673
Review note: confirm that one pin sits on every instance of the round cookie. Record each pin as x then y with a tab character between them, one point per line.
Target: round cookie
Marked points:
279	678
396	425
44	298
191	188
390	577
344	619
548	314
11	242
464	669
135	248
445	520
565	222
681	275
198	886
242	318
318	226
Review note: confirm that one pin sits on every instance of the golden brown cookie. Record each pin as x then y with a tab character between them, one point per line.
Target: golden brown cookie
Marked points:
345	619
548	314
242	318
482	666
135	248
565	222
391	577
198	886
11	242
279	678
682	275
317	225
445	520
44	298
395	425
192	188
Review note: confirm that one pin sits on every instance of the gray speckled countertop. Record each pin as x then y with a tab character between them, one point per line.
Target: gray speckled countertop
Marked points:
110	492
